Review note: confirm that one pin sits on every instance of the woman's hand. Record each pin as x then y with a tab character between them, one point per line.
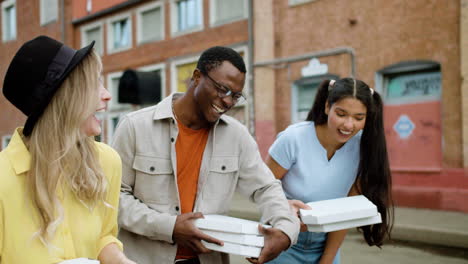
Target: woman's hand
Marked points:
295	205
111	254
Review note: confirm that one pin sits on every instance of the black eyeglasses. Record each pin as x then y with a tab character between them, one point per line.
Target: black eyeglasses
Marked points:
224	91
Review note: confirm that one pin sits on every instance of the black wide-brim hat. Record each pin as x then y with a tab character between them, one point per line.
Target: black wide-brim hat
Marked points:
36	73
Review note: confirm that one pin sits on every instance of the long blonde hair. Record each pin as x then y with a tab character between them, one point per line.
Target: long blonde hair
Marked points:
61	154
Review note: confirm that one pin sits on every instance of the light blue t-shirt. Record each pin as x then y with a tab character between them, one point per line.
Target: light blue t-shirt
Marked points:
311	176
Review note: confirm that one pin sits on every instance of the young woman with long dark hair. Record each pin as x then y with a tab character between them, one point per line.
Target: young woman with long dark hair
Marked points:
339	151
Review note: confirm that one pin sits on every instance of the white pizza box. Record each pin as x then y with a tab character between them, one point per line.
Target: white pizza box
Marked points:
377	219
228	224
236	249
243	239
338	210
80	261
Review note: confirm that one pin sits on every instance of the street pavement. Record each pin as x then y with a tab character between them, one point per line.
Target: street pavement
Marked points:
355	251
419	236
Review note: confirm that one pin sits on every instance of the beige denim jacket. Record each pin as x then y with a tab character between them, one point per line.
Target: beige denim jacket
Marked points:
149	201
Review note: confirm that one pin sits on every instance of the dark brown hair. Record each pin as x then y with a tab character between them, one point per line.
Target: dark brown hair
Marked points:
373	178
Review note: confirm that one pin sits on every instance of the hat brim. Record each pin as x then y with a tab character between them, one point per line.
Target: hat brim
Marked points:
79	56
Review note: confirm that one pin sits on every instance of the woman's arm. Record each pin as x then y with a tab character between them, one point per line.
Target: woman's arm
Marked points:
277	170
279	173
335	239
111	254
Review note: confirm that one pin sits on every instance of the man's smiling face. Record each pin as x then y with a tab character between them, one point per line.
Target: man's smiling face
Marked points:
210	105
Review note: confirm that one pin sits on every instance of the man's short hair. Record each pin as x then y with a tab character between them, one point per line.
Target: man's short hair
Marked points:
214	57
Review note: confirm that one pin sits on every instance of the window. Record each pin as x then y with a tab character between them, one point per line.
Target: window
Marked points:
49	11
413	121
150	21
187	16
184	74
414	86
8	20
5	140
90	33
119	33
299	2
115	109
158	69
112	120
113	87
303	96
410	82
224	11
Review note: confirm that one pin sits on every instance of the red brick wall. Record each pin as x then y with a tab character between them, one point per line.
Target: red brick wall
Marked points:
385	33
79	6
382	33
28	27
170	47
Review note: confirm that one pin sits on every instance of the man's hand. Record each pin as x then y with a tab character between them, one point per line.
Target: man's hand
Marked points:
188	235
295	205
275	242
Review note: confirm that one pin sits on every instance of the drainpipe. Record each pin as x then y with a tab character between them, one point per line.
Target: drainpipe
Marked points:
318	54
250	71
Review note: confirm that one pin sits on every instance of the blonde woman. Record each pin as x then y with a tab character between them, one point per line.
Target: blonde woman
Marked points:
60	189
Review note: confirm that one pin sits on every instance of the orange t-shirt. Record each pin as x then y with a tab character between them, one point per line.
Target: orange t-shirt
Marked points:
190	146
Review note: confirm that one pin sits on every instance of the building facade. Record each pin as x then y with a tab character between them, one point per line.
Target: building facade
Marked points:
20	21
414	53
159	37
409	51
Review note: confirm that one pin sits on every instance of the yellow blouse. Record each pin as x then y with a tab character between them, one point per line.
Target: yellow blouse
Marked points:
82	234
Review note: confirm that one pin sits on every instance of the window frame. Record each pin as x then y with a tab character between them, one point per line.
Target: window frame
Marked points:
292	3
154	67
110	32
214	21
402	68
5	5
42	14
114	107
91	26
140	11
110	130
295	91
174	20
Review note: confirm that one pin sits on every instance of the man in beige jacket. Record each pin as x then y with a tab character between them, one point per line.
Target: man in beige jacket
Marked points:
183	158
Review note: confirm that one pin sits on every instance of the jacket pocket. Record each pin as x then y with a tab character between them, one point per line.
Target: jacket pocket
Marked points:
154	182
222	178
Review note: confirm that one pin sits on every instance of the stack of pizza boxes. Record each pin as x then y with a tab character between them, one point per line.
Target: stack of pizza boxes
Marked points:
240	236
342	213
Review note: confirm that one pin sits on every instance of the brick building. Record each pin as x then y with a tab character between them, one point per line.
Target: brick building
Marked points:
158	36
398	47
37	17
409	51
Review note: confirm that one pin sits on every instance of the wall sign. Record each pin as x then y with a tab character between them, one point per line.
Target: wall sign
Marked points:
314	68
404	126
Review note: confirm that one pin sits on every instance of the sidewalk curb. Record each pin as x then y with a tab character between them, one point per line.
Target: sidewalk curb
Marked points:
435	236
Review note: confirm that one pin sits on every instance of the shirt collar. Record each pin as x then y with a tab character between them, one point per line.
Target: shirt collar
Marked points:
18	153
164	110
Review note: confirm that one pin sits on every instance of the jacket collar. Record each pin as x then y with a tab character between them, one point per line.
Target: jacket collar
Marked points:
18	153
163	110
